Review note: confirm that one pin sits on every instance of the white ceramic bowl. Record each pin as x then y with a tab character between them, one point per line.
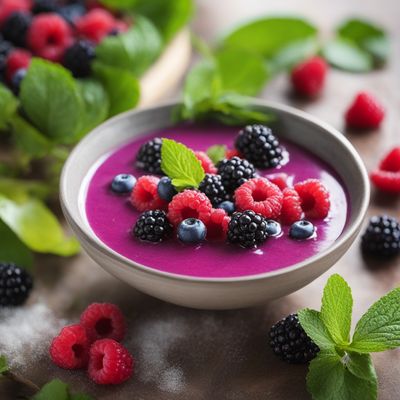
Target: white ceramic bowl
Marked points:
213	293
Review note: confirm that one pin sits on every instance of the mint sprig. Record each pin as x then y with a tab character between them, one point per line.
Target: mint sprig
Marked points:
216	153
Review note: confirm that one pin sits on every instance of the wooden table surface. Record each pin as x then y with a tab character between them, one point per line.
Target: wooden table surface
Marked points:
184	353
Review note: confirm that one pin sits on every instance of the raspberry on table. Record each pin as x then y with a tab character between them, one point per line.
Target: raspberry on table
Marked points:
189	204
308	77
315	201
16	60
152	226
259	145
365	112
235	172
70	348
387	176
213	188
78	58
290	342
144	195
15	285
217	224
291	207
261	196
280	180
148	157
103	320
15	27
8	7
95	25
206	163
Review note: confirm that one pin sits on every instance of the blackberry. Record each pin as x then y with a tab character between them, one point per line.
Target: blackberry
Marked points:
290	342
15	285
248	229
258	145
78	58
15	27
17	79
382	236
213	188
149	157
152	226
235	172
44	6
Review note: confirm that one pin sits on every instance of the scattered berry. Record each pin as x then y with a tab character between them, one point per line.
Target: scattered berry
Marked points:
280	180
153	226
78	58
95	25
235	172
8	7
382	236
166	189
247	229
290	342
103	320
261	196
192	230
123	183
227	206
15	27
206	163
217	225
301	230
387	176
109	362
291	207
71	12
273	228
17	79
365	112
230	153
70	349
16	60
15	285
391	162
314	197
212	187
308	78
149	157
258	145
44	6
144	195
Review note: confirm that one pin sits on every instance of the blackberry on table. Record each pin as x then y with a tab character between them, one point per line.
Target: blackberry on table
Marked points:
258	144
152	226
290	342
15	27
248	229
15	285
213	188
78	58
235	172
382	236
149	157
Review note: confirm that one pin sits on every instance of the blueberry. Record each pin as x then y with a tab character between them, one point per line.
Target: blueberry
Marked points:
123	183
273	228
71	12
228	206
16	80
191	230
301	230
165	189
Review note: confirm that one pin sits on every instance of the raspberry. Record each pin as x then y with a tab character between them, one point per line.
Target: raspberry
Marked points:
189	204
235	172
230	153
314	197
16	60
49	36
391	162
291	207
206	163
109	362
148	157
308	78
78	58
261	196
7	7
145	196
103	320
387	177
217	224
152	226
279	180
365	112
212	187
15	28
15	285
95	25
70	349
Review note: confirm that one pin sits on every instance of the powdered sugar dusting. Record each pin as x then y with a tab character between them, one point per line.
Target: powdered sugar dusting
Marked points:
172	380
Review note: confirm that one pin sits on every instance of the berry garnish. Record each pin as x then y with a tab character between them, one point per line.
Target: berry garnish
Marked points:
258	145
230	153
144	195
261	196
280	180
273	228
227	206
247	229
217	224
95	25
387	176
78	58
213	188
152	226
291	207
206	163
72	12
16	60
15	285
123	183
382	236
192	230
70	348
103	320
109	362
166	189
235	172
289	341
365	112
301	230
149	157
308	78
15	28
315	201
44	6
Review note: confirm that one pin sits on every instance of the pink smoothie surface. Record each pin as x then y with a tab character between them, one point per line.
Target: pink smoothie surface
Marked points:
112	217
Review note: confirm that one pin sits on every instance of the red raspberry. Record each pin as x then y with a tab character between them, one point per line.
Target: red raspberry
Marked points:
308	77
8	7
103	320
16	60
279	180
70	349
109	362
387	177
291	207
261	196
314	197
230	153
49	36
206	163
217	224
96	24
365	112
144	195
189	204
391	162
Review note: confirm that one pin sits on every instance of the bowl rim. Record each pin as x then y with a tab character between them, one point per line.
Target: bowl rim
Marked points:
91	238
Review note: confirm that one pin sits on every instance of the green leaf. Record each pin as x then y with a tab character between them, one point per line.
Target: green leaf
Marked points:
8	106
51	98
135	50
80	396
121	86
3	365
346	55
311	322
216	153
55	389
181	165
20	190
379	328
119	4
336	309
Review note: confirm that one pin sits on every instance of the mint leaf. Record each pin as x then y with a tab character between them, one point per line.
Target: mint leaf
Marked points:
216	153
336	309
3	365
181	165
50	96
55	389
8	106
379	328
